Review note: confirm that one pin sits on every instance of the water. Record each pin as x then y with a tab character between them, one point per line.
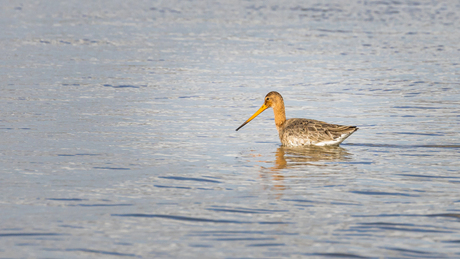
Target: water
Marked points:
118	129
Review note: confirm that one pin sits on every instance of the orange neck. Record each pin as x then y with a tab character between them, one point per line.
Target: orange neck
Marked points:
280	115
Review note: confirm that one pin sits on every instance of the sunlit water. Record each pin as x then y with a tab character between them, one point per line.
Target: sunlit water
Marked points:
118	123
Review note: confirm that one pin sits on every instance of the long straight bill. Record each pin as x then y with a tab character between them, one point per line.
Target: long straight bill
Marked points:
263	108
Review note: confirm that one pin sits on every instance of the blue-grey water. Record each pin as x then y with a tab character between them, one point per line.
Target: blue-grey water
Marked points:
118	120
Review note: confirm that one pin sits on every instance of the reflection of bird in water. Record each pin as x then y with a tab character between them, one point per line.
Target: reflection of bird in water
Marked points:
302	132
297	156
300	157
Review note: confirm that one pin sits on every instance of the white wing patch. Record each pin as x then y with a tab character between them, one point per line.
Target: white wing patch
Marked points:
335	141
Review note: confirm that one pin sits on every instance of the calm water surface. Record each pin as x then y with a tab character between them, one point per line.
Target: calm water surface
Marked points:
118	129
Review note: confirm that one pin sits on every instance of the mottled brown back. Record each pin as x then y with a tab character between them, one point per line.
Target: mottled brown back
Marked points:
310	132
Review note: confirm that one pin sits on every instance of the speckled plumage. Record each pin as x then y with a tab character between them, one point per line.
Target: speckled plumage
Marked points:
302	132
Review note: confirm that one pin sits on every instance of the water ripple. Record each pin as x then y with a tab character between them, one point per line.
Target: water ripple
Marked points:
418	253
175	187
370	227
66	199
185	218
429	176
99	252
111	168
338	255
385	193
102	205
400	146
182	218
180	178
244	210
123	86
266	244
29	234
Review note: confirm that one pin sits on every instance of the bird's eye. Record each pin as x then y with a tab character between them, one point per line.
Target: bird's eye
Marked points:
267	99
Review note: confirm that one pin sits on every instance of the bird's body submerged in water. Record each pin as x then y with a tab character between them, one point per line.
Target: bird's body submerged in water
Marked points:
302	132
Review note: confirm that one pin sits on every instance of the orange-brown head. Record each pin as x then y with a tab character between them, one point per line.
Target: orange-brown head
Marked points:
272	99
